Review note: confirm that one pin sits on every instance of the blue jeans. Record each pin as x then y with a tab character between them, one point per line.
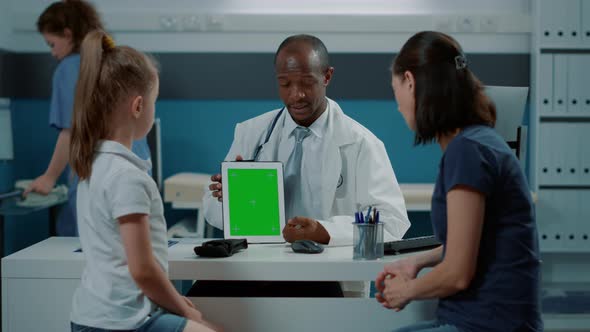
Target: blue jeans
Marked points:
430	326
160	321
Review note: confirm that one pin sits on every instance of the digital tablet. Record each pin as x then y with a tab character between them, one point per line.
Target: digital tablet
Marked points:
253	201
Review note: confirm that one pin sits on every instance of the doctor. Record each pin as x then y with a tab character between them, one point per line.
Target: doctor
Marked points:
338	167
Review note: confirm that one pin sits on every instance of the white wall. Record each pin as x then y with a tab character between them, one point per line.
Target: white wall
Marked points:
5	25
259	25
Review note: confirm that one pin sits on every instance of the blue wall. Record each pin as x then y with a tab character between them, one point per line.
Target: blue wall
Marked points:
196	135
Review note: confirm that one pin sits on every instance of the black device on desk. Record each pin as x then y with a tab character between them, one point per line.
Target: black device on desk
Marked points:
411	244
307	247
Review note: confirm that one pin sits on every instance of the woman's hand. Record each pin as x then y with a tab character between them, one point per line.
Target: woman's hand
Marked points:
396	294
42	185
405	268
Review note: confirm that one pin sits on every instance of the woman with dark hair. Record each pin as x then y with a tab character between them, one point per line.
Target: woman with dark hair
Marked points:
486	272
64	24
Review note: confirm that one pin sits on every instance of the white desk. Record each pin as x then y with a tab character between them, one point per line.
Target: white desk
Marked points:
38	283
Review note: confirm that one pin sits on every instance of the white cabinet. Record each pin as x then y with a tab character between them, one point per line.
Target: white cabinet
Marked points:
561	116
560	120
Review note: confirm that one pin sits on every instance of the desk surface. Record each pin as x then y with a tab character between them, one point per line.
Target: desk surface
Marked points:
56	258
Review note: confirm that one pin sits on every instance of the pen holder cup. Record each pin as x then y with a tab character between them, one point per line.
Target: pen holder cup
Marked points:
367	241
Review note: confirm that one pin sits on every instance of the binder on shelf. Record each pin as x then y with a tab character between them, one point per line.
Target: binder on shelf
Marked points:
569	151
585	29
561	149
584	157
560	83
576	85
548	215
585	102
584	226
546	150
571	22
548	23
545	79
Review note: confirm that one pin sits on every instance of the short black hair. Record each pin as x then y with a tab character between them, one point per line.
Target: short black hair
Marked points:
448	95
316	44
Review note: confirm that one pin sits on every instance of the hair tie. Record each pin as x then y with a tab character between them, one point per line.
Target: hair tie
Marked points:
108	44
460	62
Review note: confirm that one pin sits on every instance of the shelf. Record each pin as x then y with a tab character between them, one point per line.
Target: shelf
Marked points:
566	306
568	251
565	322
565	50
564	186
585	117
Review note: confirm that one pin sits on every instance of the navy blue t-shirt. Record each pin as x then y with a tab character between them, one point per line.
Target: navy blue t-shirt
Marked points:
503	295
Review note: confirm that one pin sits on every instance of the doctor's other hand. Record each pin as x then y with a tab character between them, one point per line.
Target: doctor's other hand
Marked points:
216	187
300	228
42	185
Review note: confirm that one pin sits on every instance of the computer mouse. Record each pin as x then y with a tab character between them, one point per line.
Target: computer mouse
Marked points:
307	247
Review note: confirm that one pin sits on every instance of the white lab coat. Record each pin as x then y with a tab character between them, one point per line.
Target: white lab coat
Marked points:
356	174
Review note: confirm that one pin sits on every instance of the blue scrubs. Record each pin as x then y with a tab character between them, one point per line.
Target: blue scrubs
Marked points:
60	117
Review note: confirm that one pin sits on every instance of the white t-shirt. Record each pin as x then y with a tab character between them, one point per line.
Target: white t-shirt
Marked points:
119	185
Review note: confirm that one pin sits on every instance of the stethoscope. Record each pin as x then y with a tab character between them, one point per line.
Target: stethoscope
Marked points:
268	133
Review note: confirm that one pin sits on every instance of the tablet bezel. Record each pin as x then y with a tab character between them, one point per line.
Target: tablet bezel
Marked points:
278	166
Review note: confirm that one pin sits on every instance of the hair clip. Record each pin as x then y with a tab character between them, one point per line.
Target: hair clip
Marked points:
108	44
460	62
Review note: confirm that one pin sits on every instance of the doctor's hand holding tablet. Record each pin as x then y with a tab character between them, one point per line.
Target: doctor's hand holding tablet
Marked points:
297	228
216	187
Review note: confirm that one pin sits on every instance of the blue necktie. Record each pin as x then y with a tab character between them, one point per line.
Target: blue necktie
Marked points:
293	194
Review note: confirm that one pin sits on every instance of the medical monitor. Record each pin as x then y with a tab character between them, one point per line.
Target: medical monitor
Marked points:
253	201
6	147
155	144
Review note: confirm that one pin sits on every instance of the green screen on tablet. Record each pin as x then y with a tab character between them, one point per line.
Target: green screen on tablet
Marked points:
253	202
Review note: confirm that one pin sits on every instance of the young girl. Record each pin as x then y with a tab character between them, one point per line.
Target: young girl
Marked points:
64	25
486	273
120	212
